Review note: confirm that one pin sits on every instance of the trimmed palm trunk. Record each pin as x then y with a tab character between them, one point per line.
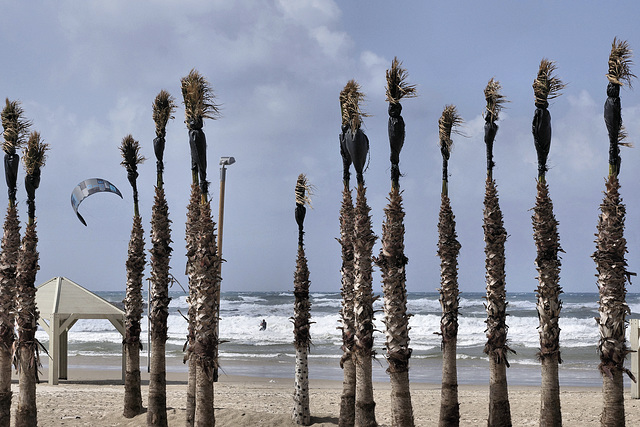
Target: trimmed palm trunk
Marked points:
448	250
15	130
611	247
547	240
301	312
28	360
135	264
392	260
163	107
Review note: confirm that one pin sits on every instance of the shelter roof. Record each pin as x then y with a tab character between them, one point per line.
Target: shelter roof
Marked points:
60	295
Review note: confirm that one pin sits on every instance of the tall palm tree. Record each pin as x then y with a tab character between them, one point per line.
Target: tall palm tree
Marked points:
357	145
392	260
611	247
302	310
545	233
28	361
199	104
15	132
130	150
448	249
347	315
163	107
495	237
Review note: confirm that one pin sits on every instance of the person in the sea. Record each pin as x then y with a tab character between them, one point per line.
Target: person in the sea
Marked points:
263	325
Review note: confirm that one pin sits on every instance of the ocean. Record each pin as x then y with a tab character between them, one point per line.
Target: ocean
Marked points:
247	350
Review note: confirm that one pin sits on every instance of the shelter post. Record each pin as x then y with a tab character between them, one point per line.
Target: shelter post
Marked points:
634	325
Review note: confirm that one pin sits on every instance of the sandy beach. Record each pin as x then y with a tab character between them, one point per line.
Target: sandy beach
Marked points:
93	396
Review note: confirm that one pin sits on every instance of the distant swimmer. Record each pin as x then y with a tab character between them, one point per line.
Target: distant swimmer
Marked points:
263	325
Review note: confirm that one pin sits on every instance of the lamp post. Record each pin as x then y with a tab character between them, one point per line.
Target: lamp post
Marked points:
224	162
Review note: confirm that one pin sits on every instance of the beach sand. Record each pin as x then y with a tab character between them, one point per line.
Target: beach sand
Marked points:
93	396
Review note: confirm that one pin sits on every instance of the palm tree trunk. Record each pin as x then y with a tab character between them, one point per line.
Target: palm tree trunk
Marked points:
160	256
302	339
348	399
133	313
392	262
8	264
448	250
496	347
191	233
363	308
545	232
611	247
27	320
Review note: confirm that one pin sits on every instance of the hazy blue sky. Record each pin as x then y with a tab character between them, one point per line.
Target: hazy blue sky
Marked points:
87	73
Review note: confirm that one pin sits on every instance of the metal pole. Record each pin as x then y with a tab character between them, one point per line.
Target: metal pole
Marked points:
223	176
149	325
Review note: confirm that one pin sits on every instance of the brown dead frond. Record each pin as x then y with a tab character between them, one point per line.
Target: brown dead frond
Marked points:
350	100
397	87
163	107
495	100
34	155
304	191
198	97
620	63
546	86
15	126
130	151
447	124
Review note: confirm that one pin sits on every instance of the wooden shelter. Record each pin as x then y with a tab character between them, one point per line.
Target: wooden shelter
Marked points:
62	303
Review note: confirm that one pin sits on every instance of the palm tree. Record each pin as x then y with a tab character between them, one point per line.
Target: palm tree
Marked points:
347	315
357	145
34	157
611	247
163	107
198	100
15	132
495	237
392	260
545	234
448	249
302	310
130	150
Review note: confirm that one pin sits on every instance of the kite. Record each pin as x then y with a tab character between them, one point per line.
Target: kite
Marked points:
87	188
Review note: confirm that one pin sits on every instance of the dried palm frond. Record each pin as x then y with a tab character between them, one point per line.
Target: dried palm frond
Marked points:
130	150
163	107
495	100
620	63
397	87
34	153
15	126
447	124
304	191
547	86
198	97
350	100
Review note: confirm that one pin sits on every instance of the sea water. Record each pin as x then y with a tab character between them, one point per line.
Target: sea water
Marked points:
248	350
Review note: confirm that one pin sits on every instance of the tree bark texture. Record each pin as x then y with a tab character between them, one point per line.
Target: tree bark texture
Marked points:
8	264
207	287
364	239
392	262
448	250
547	240
159	312
191	237
348	399
302	339
133	313
496	347
611	247
27	321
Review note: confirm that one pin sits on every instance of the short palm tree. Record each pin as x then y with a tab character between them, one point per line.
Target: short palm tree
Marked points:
15	133
392	260
34	157
135	264
163	107
611	247
545	233
301	310
495	237
448	250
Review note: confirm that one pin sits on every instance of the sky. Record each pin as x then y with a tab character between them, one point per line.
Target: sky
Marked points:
87	73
